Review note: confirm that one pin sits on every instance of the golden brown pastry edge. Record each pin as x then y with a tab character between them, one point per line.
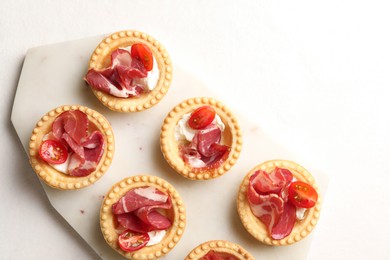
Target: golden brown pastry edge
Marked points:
169	146
256	228
59	180
219	246
100	59
172	236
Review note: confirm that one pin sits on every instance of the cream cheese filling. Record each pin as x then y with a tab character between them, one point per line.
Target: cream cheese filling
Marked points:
155	237
184	132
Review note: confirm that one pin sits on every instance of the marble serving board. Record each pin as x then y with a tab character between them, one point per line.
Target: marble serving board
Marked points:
56	73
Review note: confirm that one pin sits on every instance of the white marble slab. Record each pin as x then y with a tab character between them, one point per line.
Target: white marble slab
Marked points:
52	75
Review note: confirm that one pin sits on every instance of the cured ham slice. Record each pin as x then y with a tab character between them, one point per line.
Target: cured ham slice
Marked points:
71	127
120	57
74	123
204	149
286	173
131	222
286	222
99	81
78	149
268	208
152	217
268	201
93	148
123	78
85	150
288	177
137	198
268	183
141	210
206	137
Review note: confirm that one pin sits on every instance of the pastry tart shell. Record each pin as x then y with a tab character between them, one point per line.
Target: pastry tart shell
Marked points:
59	180
256	228
101	58
231	136
173	234
221	246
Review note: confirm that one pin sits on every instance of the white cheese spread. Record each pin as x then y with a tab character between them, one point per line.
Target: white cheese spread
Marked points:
184	132
300	213
156	237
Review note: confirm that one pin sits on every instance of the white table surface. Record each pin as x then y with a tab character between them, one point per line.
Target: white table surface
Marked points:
325	96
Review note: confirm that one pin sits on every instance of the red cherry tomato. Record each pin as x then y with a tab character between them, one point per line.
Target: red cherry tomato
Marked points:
302	195
130	241
142	52
53	152
201	117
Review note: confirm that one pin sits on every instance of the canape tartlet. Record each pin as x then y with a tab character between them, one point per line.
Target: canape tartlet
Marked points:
139	210
129	71
219	249
71	147
278	202
201	138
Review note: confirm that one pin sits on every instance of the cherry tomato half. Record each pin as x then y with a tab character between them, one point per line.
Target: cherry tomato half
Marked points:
302	195
201	117
130	241
54	152
142	52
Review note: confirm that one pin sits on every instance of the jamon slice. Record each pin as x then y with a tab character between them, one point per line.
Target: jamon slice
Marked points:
120	57
219	153
71	128
286	173
204	138
93	148
268	208
265	183
152	217
267	202
121	78
128	82
286	222
98	81
74	123
141	210
78	149
137	198
134	223
205	151
288	177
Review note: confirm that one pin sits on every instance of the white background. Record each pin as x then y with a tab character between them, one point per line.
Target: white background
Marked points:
324	95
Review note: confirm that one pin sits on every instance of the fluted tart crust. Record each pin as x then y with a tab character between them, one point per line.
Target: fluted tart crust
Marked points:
221	246
101	58
57	179
231	136
256	228
174	233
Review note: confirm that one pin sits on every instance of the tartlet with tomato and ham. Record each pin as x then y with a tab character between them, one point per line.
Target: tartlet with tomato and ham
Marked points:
129	71
200	138
142	217
219	250
278	202
71	147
